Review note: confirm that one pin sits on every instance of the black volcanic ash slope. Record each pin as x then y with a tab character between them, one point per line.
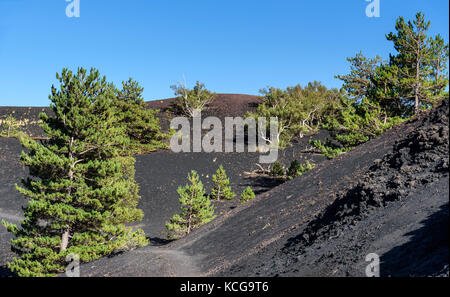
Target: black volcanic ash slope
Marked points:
254	238
158	174
417	161
399	209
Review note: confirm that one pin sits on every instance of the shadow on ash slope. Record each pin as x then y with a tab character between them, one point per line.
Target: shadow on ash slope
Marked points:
326	221
399	210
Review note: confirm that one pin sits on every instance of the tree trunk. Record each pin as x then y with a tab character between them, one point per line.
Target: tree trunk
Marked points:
218	193
189	222
416	103
417	86
65	236
64	241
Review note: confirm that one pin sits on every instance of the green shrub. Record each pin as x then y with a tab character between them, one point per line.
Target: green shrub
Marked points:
221	187
277	169
297	169
10	127
294	169
308	167
192	101
247	195
328	150
196	208
298	109
352	123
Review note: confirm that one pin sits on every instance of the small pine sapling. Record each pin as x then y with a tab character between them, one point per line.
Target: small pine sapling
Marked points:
277	169
297	169
196	208
221	187
247	195
10	125
294	169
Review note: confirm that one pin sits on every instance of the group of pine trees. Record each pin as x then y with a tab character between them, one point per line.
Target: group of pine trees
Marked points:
195	205
412	79
380	94
376	94
81	190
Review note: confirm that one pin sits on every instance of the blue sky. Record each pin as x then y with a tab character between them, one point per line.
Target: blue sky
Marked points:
234	46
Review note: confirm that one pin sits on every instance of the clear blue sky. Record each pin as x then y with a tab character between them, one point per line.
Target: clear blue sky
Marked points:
234	46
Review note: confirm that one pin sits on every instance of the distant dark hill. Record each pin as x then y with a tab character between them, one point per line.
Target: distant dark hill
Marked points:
223	105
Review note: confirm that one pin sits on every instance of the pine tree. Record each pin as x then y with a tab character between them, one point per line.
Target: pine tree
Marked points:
10	127
196	208
359	82
386	93
221	187
144	131
417	61
126	210
193	101
294	169
247	195
439	61
297	169
78	185
142	126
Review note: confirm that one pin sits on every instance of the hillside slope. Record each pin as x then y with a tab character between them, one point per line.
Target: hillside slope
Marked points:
388	196
326	221
158	174
398	210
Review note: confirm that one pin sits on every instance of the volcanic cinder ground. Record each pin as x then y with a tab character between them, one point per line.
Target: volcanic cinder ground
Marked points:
389	196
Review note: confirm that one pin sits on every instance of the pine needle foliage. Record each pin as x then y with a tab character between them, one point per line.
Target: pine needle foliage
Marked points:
247	195
141	124
78	192
296	169
10	127
192	101
196	208
277	169
221	189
